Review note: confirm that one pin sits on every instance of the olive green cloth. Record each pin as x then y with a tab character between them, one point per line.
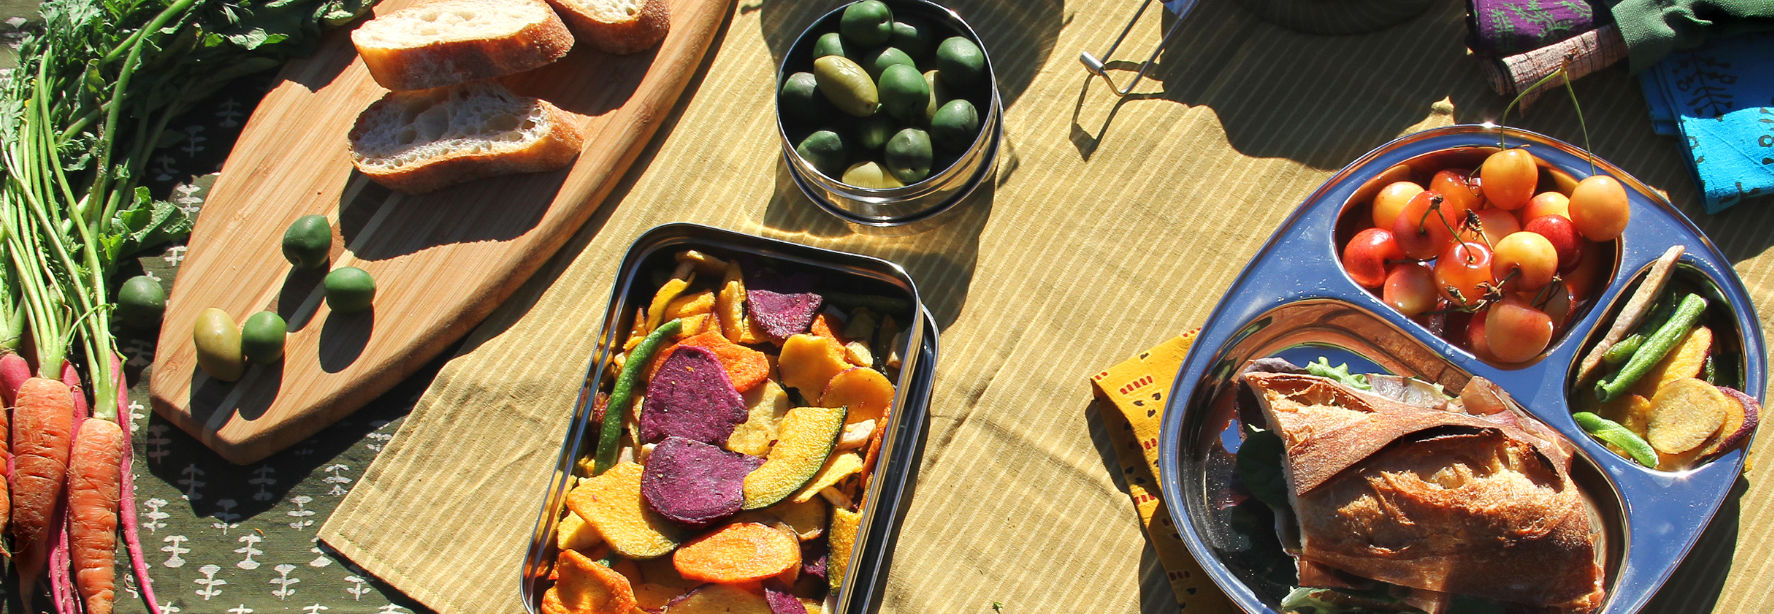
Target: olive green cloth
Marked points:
1654	28
1108	229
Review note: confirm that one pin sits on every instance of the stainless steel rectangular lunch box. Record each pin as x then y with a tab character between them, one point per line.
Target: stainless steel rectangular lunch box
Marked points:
901	445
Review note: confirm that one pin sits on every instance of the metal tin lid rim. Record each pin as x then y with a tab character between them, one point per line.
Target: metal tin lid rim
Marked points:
991	164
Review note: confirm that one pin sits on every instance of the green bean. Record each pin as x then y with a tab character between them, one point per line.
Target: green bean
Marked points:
1658	344
622	394
1621	437
1623	350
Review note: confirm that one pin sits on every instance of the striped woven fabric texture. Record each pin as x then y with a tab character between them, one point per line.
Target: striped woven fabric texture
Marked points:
1110	227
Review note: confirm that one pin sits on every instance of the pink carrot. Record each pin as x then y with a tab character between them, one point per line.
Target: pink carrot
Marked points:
71	378
61	586
14	370
61	582
127	508
11	366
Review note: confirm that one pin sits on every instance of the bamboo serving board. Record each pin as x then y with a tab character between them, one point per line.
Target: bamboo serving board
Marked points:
441	261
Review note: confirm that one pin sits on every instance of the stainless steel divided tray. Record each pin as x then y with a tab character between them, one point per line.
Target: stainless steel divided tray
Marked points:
1295	301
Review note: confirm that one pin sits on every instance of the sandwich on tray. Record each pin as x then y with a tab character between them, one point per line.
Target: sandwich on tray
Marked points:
1395	497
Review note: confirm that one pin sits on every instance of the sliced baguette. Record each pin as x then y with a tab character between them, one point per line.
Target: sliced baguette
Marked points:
423	140
619	27
450	42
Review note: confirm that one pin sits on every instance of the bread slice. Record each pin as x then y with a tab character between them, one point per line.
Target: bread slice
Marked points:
620	27
423	140
450	42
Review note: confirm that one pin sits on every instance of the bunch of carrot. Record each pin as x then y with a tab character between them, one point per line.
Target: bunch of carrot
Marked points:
67	474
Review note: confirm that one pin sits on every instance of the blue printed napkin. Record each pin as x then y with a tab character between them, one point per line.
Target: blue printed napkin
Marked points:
1720	98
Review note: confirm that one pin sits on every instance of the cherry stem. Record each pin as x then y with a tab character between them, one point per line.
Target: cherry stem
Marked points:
1477	225
1563	72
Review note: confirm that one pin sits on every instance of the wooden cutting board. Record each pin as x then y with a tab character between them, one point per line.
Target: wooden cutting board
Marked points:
441	261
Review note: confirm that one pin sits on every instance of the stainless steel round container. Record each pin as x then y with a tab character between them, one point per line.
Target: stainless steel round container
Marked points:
912	206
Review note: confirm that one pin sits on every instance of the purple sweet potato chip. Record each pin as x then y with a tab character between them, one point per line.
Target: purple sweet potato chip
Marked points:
694	483
814	554
691	397
781	600
782	315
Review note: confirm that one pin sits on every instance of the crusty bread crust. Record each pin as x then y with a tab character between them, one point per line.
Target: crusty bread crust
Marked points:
443	62
1431	498
551	150
620	37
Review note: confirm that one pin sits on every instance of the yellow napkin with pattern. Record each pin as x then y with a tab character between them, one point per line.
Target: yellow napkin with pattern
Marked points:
1136	389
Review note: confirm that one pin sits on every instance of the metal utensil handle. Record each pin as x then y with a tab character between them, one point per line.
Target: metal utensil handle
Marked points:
1180	8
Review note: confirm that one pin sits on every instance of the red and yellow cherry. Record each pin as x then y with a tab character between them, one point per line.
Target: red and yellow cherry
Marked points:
1366	256
1410	288
1516	331
1563	236
1524	260
1426	225
1476	341
1599	208
1508	178
1555	300
1391	200
1546	203
1463	272
1457	189
1495	224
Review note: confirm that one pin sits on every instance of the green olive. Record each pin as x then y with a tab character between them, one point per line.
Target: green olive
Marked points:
915	38
262	337
955	126
141	302
308	241
872	132
217	339
904	94
846	85
868	174
799	98
829	43
867	23
823	149
961	62
877	61
349	290
939	93
909	155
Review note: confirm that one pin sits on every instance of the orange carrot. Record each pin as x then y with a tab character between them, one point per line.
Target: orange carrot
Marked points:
42	427
94	475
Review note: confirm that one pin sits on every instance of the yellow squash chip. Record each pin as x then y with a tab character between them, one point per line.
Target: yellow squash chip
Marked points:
720	599
587	587
765	404
838	467
574	533
806	437
656	310
843	541
694	304
611	503
808	362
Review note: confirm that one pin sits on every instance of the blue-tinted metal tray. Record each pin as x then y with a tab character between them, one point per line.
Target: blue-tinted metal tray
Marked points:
1295	301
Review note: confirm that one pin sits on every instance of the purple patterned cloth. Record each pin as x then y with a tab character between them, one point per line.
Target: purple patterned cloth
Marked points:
1498	28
